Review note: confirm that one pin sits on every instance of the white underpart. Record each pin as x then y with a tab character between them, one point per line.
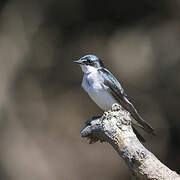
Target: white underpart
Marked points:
93	85
88	69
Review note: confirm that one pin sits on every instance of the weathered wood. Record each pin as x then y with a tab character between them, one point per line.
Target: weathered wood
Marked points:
115	128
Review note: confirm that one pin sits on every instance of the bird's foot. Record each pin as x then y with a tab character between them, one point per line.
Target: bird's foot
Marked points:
88	122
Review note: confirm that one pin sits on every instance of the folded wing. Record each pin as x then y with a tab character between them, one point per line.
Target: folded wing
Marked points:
116	90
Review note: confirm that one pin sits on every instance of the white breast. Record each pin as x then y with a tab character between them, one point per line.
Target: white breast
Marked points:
92	84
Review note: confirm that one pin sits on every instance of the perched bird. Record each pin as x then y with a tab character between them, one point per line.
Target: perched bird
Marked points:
105	90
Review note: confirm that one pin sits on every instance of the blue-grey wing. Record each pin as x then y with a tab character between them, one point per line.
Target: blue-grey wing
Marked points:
119	94
113	84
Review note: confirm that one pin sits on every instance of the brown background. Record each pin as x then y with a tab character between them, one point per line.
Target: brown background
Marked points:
42	105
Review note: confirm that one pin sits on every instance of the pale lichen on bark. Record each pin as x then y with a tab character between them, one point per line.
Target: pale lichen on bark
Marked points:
114	127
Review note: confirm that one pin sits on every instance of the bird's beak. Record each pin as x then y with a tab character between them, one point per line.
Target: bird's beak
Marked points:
78	61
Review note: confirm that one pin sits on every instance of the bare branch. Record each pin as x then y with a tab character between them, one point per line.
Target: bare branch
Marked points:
115	128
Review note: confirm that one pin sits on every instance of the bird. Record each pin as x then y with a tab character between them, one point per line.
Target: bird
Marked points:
105	90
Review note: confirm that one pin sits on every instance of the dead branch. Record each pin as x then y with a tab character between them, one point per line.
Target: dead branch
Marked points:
115	128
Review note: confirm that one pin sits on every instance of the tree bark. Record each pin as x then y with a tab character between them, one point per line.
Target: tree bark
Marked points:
114	127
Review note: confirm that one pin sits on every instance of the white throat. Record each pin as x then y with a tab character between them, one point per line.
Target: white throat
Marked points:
88	69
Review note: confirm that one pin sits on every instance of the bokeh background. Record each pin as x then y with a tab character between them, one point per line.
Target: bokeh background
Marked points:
42	105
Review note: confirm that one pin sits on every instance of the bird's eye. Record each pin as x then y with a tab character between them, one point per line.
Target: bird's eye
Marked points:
89	61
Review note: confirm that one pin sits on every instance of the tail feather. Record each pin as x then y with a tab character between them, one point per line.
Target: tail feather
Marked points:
137	117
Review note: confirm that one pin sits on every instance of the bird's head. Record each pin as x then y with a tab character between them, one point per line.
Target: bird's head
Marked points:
89	63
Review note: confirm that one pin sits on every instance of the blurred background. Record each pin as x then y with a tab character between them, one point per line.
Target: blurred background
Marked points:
42	105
